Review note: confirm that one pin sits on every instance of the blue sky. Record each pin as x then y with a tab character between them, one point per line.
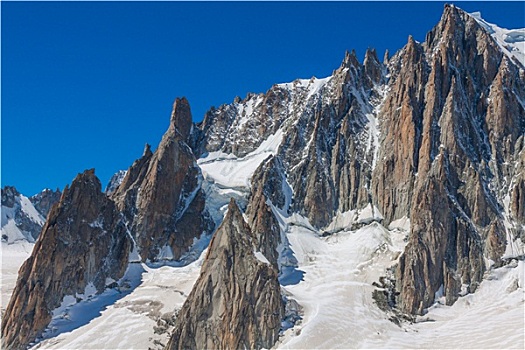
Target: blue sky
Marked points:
87	84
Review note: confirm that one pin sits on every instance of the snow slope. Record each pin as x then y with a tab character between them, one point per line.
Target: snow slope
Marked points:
227	170
511	41
139	319
11	232
339	312
12	257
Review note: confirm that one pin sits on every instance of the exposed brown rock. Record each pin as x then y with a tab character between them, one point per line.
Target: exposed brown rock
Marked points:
125	195
465	146
236	302
83	241
161	195
267	184
372	67
401	119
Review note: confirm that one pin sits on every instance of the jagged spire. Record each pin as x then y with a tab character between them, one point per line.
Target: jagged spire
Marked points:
350	59
147	150
181	117
249	319
372	65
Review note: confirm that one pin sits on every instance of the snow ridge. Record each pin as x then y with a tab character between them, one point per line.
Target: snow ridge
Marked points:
511	41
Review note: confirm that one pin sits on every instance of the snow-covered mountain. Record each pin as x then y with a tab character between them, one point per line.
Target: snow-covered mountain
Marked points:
380	207
21	220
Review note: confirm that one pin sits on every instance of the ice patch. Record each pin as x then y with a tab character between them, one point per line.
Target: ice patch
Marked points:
312	86
260	256
29	209
166	253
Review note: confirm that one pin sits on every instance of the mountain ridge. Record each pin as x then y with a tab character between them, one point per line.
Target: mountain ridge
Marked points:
432	138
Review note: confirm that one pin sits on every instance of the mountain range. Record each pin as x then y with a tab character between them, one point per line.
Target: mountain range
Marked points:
347	211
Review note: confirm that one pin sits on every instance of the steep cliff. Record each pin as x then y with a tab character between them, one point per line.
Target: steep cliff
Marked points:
161	194
83	242
236	302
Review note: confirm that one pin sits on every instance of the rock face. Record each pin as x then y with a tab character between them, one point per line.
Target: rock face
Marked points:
434	134
116	180
45	200
457	207
22	217
326	136
268	185
440	124
161	194
83	242
236	302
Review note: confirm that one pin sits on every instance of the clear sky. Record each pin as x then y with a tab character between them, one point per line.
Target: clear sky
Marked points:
87	84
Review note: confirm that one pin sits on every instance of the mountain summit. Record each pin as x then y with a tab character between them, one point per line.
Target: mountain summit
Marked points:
378	193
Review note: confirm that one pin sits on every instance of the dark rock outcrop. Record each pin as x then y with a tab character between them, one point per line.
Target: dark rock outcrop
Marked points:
9	194
83	242
161	194
236	302
268	185
456	211
44	201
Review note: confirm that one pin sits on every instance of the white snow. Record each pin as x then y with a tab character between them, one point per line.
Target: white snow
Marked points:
13	233
29	209
339	312
402	224
336	292
312	86
12	257
227	170
260	256
125	320
511	41
166	253
361	216
246	110
8	224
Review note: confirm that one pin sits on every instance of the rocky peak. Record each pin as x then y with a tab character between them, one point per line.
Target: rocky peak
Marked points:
268	187
270	179
440	89
350	60
82	242
9	194
386	57
161	194
22	217
181	120
147	151
372	66
236	301
45	200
